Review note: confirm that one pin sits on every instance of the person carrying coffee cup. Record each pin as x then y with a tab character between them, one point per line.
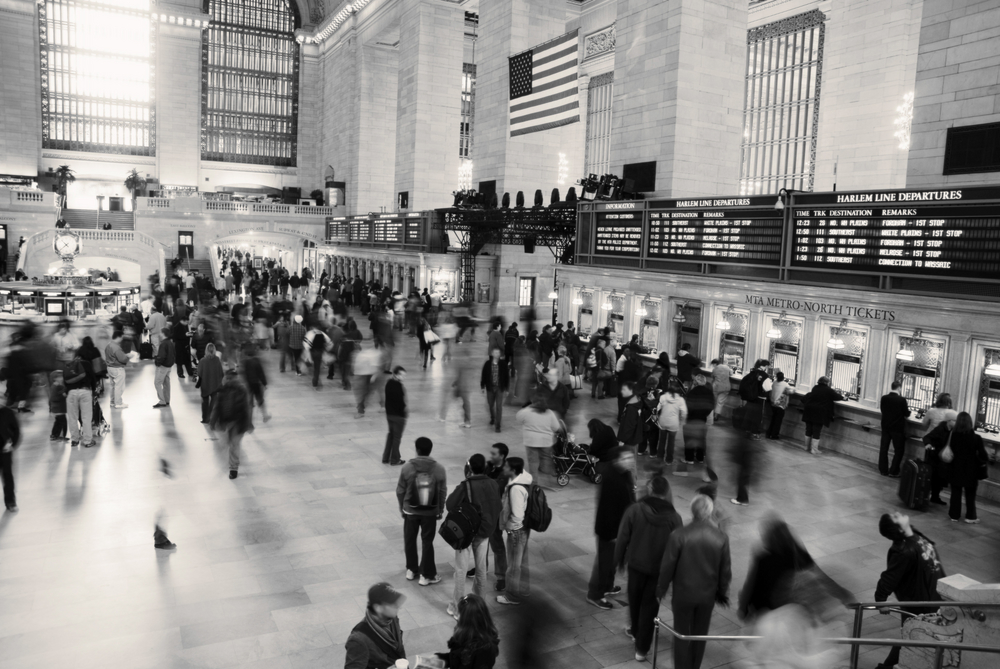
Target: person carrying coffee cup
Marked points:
377	641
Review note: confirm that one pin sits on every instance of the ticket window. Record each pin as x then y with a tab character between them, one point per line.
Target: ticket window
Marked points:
920	377
585	313
733	340
649	324
689	331
784	338
615	322
845	364
988	392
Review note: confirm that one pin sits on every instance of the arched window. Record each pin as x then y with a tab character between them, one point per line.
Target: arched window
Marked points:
97	76
250	82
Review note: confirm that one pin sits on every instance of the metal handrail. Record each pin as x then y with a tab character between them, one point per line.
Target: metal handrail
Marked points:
854	642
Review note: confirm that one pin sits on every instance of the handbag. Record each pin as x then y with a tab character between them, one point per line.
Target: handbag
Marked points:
430	337
947	455
576	382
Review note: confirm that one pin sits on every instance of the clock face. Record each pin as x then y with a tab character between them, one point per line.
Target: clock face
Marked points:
66	245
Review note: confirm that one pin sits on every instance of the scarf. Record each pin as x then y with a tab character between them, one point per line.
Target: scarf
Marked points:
390	633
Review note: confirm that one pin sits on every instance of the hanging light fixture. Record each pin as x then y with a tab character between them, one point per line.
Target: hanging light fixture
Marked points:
578	300
607	301
836	343
553	294
905	353
774	332
641	309
724	324
679	316
992	370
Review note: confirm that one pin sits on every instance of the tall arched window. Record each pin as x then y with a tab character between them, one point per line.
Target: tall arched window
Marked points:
97	76
250	82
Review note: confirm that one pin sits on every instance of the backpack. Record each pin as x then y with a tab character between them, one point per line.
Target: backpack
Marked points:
750	387
592	359
461	525
422	491
537	514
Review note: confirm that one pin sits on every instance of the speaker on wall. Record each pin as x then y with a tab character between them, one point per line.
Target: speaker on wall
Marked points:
642	175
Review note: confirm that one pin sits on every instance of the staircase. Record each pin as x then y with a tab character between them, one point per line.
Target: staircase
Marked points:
87	219
203	265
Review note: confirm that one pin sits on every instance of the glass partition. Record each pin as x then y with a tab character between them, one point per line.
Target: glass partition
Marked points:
844	366
920	378
783	351
732	341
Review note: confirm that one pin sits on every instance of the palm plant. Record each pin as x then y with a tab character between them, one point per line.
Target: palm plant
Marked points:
135	183
64	177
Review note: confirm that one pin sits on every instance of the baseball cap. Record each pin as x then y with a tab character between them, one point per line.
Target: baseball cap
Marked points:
384	593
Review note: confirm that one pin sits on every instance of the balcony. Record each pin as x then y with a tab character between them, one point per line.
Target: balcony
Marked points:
28	200
195	205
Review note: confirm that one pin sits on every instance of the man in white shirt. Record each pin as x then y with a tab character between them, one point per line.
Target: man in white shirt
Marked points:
780	390
515	504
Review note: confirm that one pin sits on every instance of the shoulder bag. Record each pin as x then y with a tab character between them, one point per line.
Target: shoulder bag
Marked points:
947	455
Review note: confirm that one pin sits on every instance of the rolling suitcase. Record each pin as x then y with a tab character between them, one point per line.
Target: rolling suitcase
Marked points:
915	484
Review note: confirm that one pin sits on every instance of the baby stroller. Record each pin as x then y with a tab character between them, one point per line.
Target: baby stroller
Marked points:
570	458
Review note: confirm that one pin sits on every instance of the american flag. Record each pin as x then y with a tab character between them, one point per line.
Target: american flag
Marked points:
543	86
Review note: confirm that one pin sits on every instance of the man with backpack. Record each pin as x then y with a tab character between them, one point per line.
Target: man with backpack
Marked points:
421	493
514	522
482	494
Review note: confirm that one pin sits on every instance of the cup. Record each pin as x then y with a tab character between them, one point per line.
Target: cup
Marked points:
402	663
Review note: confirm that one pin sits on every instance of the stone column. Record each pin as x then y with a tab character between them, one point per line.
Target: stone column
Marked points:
678	95
20	93
428	111
178	97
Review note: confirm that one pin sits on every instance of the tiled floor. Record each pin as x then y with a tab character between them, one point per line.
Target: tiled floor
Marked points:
272	569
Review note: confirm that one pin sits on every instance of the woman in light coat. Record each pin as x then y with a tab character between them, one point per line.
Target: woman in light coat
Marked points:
721	384
671	414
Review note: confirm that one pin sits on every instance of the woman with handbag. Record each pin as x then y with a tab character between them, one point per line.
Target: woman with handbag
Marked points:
935	442
967	460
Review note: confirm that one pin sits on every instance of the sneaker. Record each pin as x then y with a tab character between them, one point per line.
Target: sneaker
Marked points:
466	424
470	574
159	405
954	520
90	444
12	508
429	581
501	585
739	503
639	657
75	443
973	521
628	632
614	591
233	474
602	603
401	462
410	575
453	611
166	547
502	599
55	438
121	406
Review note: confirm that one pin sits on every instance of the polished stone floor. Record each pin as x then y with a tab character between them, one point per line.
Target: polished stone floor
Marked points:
271	570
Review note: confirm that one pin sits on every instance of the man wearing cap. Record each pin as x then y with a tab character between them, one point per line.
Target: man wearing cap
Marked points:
377	641
296	337
163	360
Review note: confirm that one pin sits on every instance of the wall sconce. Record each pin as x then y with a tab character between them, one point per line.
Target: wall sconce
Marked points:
641	309
724	324
553	294
607	301
679	316
906	354
579	300
775	333
992	370
836	343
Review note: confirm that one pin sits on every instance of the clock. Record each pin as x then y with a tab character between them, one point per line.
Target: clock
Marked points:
67	245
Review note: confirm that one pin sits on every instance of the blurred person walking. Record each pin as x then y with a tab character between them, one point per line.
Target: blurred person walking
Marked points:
255	380
616	494
164	361
699	402
540	426
117	360
698	565
494	381
768	584
210	378
721	385
421	492
296	342
10	438
642	539
231	415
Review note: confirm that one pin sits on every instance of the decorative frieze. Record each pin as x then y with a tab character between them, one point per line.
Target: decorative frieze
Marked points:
597	43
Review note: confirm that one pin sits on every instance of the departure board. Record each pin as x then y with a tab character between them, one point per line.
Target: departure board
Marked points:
338	229
619	233
413	230
389	230
732	230
361	230
944	233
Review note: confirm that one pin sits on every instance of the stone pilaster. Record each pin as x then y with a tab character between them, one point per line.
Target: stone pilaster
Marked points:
309	156
377	128
20	109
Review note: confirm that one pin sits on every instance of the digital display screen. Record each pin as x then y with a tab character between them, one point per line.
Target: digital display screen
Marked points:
55	307
921	236
389	231
338	230
619	233
361	231
413	231
716	234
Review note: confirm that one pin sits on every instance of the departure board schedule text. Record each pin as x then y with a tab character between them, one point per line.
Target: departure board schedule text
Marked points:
745	236
619	233
926	240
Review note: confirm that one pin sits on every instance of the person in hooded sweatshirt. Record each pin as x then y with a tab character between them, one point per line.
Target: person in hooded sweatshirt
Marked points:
642	540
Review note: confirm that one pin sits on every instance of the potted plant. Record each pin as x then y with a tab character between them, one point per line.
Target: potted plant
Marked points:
64	176
318	196
135	183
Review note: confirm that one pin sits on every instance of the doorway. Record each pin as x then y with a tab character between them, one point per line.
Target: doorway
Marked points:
185	245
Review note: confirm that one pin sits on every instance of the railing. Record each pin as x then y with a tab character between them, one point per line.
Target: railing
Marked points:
197	205
27	198
854	641
37	241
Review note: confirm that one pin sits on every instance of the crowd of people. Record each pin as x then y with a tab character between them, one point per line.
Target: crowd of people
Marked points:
215	335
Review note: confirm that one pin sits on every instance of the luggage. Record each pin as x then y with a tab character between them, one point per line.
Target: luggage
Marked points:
146	351
915	484
461	525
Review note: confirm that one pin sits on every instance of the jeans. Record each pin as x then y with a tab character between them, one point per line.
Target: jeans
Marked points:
396	426
666	447
898	440
651	439
296	354
59	426
7	475
117	377
539	464
602	577
426	527
955	509
80	410
774	429
162	384
477	552
499	554
642	607
690	620
518	574
494	400
362	383
317	367
233	441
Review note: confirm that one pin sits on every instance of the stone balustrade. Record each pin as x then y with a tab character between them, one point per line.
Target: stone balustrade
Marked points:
26	199
197	205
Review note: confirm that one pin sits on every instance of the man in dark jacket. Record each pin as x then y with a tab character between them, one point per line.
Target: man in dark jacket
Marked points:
818	411
396	414
617	493
494	381
164	361
630	430
754	389
700	402
256	380
232	415
377	641
698	564
895	411
687	364
642	539
912	571
181	337
483	492
555	393
421	493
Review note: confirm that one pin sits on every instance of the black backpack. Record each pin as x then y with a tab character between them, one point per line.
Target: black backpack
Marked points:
750	386
461	525
537	514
